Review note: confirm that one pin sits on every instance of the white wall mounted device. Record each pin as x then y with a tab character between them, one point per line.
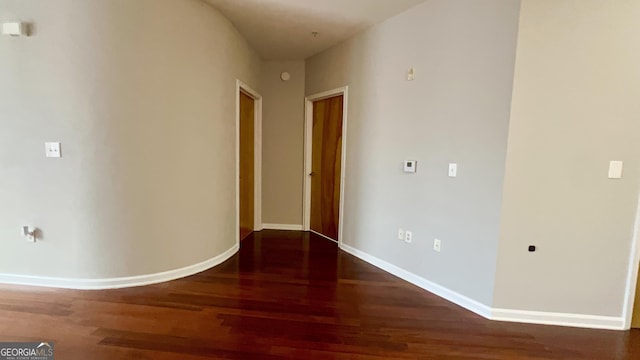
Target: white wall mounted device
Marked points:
410	166
14	29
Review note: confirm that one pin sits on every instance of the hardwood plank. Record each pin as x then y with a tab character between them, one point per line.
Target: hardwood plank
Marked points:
285	295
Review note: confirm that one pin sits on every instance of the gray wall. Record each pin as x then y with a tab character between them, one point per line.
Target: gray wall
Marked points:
576	106
142	96
145	111
282	142
457	110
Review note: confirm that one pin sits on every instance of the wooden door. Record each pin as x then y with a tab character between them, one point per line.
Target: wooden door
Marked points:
247	117
635	322
326	162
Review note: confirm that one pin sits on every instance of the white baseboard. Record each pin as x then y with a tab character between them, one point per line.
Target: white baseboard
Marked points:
443	292
292	227
521	316
559	319
116	283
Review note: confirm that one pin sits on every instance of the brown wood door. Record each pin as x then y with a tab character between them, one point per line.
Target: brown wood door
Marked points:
247	117
635	320
326	165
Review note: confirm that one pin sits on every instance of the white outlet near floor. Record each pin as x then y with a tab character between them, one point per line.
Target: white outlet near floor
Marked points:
52	149
408	236
400	234
437	245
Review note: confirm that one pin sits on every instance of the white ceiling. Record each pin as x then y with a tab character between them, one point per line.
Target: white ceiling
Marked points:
281	29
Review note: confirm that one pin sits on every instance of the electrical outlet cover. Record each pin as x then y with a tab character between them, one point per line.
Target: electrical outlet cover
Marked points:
408	237
52	149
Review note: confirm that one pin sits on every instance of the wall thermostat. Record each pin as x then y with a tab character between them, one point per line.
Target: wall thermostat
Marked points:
285	76
410	166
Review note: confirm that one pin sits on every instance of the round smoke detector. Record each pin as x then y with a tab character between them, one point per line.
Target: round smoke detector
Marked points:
285	76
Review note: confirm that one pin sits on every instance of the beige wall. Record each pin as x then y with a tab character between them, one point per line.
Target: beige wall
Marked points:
145	111
282	142
142	96
575	107
457	110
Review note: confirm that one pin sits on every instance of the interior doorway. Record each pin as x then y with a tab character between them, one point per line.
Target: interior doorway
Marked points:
325	144
247	149
635	319
631	309
249	159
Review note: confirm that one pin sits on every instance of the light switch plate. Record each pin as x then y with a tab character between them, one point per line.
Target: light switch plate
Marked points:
13	29
437	245
453	170
52	149
615	169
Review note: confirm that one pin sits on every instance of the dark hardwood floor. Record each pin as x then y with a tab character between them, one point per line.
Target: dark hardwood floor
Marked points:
285	295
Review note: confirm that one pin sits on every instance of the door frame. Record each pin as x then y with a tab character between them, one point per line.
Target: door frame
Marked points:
257	157
632	276
308	148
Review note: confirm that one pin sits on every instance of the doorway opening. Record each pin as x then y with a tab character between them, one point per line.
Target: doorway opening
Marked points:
631	310
248	160
635	317
325	155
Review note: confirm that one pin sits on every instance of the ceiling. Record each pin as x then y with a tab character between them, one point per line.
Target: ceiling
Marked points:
282	29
